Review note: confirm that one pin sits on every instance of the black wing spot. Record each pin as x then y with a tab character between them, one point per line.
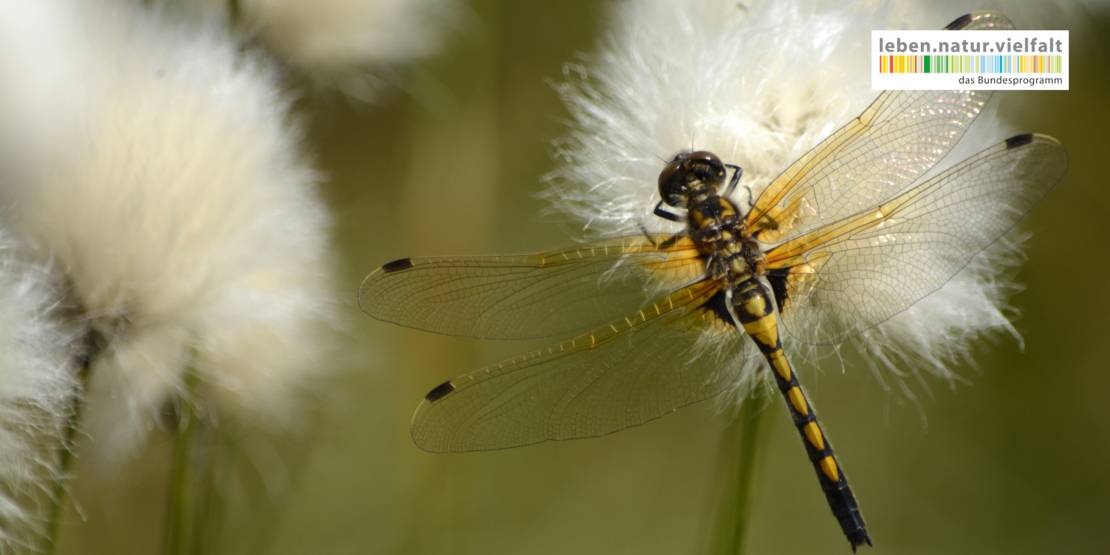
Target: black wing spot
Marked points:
959	23
718	304
440	391
1019	140
397	265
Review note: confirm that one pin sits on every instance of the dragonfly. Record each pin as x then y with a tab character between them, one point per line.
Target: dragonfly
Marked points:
657	321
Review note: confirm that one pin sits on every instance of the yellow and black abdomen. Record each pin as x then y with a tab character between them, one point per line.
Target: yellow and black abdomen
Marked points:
754	307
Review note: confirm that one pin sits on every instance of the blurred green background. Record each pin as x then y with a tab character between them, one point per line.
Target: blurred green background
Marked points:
1015	461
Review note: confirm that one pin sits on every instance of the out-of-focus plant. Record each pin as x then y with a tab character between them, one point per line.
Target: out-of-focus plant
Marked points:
172	251
152	167
357	46
37	384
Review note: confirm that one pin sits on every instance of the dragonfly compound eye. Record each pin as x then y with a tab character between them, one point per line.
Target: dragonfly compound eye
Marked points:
673	181
707	167
688	171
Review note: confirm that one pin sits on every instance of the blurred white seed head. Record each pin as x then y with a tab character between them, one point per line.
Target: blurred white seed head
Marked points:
36	383
759	84
166	182
1047	14
355	45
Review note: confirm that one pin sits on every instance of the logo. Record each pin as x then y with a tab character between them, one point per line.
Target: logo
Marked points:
969	60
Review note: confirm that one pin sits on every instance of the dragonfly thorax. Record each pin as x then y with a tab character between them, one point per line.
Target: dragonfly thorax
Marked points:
717	228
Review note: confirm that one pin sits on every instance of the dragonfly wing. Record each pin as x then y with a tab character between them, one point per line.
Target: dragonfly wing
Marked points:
528	296
679	350
841	279
899	137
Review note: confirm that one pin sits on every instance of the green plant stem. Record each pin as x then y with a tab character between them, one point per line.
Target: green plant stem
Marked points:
58	493
740	451
751	415
234	11
60	490
181	512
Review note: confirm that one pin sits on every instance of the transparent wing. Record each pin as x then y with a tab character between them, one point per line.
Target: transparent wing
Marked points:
848	276
899	137
528	296
676	351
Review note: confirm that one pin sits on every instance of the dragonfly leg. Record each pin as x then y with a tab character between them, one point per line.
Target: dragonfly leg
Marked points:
666	243
670	241
737	171
665	214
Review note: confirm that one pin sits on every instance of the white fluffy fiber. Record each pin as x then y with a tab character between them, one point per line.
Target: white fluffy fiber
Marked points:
352	44
36	384
758	83
156	165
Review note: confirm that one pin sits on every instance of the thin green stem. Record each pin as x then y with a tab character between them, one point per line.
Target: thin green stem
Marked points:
181	513
740	451
234	11
59	493
209	508
752	415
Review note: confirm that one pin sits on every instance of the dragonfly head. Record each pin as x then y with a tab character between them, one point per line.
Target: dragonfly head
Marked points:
689	173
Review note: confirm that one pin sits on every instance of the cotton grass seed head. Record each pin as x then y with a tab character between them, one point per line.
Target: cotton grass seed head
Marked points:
355	45
751	84
36	384
173	197
759	84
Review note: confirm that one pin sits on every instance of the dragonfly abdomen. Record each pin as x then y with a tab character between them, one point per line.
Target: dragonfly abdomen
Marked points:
754	307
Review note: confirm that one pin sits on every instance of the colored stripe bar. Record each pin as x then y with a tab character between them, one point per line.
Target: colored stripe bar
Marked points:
970	64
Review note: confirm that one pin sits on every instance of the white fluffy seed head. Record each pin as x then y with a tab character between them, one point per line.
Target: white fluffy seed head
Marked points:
938	331
173	195
674	76
759	84
355	45
36	384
